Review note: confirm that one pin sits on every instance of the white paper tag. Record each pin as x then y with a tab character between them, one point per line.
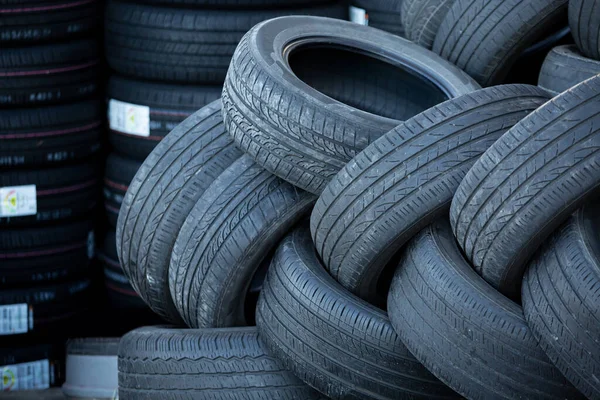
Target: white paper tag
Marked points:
15	319
25	376
133	119
359	15
16	201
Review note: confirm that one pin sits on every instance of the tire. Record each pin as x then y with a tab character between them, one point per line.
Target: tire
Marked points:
61	252
59	193
159	107
49	74
335	342
118	174
91	368
31	369
560	299
47	20
382	14
584	19
306	136
564	68
527	184
422	19
49	135
486	37
162	194
139	39
405	180
213	364
467	334
234	225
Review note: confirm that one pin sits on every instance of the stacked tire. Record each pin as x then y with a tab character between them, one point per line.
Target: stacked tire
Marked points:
50	136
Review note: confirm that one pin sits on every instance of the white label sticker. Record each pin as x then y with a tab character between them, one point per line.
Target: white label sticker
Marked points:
91	245
129	118
25	376
16	201
359	15
15	319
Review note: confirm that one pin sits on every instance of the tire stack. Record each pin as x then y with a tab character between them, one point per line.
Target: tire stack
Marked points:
50	136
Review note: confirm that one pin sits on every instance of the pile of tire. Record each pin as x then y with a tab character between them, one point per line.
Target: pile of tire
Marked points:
357	218
50	136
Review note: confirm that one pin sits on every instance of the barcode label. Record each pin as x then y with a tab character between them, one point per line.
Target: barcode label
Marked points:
132	119
17	201
359	15
25	376
15	319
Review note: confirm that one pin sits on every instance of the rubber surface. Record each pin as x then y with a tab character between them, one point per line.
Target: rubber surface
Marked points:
466	333
564	68
118	174
158	363
422	19
527	184
584	19
163	192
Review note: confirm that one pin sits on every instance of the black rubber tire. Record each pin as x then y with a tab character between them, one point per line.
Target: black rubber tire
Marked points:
158	363
486	37
42	20
118	174
169	106
405	180
48	135
236	4
162	194
236	223
184	45
422	19
329	338
53	235
65	253
527	184
64	192
561	297
305	136
383	14
584	19
93	346
13	355
49	74
466	333
564	68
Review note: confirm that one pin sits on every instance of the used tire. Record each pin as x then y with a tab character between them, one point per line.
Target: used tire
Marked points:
234	225
406	179
486	37
49	74
465	332
183	45
31	197
162	194
584	19
564	68
48	135
380	14
32	21
527	184
560	299
118	174
157	363
156	108
332	340
306	134
422	19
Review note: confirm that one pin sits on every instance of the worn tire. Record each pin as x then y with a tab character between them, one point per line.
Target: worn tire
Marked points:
406	179
486	37
235	224
561	297
48	135
49	74
304	135
465	332
422	19
564	68
527	184
140	39
160	197
332	340
157	363
118	174
161	107
584	19
382	14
